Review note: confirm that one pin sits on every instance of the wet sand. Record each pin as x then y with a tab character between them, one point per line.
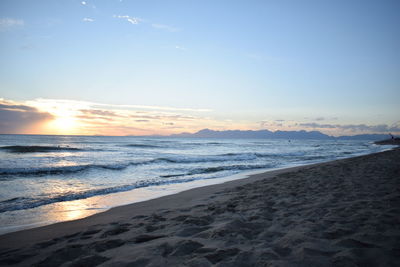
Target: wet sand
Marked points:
393	142
340	213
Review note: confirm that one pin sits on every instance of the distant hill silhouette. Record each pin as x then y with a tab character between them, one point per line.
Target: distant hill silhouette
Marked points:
265	134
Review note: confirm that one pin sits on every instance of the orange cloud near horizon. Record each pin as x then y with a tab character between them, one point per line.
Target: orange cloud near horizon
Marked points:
69	117
66	117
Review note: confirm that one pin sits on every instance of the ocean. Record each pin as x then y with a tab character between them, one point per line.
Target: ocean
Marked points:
47	179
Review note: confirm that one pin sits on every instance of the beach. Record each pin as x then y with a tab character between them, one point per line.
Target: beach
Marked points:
340	213
50	179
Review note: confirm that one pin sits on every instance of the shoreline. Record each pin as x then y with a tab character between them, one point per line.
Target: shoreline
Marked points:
242	178
137	195
43	242
82	208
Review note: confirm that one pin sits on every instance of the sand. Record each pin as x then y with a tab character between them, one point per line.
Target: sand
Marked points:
394	142
340	213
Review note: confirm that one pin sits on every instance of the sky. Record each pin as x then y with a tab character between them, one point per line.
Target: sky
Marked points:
119	67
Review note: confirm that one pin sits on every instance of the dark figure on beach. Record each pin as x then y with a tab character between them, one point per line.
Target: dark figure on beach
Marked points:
391	136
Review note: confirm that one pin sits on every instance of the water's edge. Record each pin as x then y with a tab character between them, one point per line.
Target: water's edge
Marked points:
83	208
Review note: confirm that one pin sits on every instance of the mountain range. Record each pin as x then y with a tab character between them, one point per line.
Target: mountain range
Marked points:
266	134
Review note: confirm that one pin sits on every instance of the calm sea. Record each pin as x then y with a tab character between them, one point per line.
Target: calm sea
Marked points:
45	179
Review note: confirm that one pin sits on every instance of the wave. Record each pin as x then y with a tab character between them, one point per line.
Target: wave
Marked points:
173	159
204	143
230	168
68	169
221	169
23	203
211	158
54	170
32	149
59	170
173	175
143	146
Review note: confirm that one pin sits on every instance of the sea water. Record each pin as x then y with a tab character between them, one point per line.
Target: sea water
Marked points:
45	179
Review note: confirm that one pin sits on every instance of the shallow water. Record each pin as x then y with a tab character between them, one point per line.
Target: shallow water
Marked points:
43	174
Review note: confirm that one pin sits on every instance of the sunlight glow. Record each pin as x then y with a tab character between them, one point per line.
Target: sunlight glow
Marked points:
63	125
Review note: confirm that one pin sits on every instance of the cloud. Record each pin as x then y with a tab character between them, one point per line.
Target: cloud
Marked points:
18	108
273	125
86	4
165	27
9	23
319	118
18	118
99	112
180	47
92	118
130	19
317	125
87	20
380	128
160	116
93	105
161	108
105	129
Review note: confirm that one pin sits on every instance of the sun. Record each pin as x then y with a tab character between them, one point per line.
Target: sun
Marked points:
63	125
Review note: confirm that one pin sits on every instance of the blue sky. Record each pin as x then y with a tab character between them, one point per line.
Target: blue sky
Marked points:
321	65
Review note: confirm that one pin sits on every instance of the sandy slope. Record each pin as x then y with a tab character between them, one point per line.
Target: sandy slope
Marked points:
341	213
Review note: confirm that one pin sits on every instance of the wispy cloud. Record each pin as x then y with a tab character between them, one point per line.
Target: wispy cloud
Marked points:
87	20
132	20
317	125
87	105
116	119
86	4
165	27
180	47
380	128
113	119
9	23
137	20
330	128
99	112
163	108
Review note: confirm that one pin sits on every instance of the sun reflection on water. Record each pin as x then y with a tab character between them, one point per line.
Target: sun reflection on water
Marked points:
73	210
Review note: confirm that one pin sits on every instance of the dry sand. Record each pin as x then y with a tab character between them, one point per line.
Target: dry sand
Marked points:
341	213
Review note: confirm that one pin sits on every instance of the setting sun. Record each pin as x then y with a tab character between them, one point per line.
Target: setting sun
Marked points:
63	125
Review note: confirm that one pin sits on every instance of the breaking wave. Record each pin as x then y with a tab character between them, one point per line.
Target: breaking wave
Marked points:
33	149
